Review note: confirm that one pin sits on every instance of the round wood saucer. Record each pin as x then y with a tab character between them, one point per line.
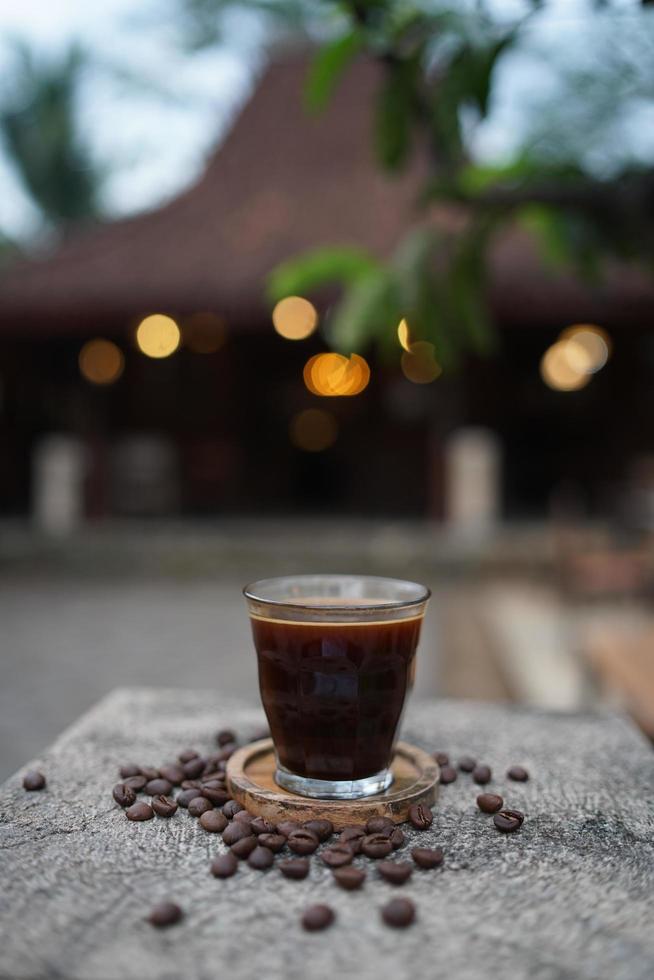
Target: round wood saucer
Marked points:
251	780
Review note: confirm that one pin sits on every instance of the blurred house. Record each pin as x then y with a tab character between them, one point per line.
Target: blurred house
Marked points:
207	430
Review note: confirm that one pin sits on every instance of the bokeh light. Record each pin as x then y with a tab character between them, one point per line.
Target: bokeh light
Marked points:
204	333
158	336
331	375
295	318
419	363
589	348
313	430
404	336
101	362
558	371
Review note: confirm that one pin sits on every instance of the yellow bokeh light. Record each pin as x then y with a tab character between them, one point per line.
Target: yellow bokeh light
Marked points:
558	372
313	430
204	333
419	363
295	318
404	336
101	362
331	375
158	336
589	347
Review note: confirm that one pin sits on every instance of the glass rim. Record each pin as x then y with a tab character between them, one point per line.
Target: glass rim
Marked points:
253	593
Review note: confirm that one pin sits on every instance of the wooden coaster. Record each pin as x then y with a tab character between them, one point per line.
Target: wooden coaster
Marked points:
251	780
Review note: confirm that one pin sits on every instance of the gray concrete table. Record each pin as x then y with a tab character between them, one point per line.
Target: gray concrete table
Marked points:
570	895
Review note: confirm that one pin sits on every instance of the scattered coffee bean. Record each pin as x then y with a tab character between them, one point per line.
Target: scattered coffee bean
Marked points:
397	838
123	795
349	878
225	736
198	806
448	775
244	847
191	784
211	768
287	827
302	841
136	783
336	855
466	763
213	821
165	914
377	825
231	808
296	868
187	795
420	816
226	753
149	772
395	872
139	811
442	758
217	795
33	780
262	826
489	802
481	775
399	913
245	818
158	787
427	857
323	829
518	774
131	769
261	858
274	842
173	773
187	755
235	831
508	820
349	834
224	865
163	806
376	846
317	917
194	768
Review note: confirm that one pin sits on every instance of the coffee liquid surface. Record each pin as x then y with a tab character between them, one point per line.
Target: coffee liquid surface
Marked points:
334	693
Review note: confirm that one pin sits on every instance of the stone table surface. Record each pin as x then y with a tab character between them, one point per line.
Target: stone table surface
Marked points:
569	895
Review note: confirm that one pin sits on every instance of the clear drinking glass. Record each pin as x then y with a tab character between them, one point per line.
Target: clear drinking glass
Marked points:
336	658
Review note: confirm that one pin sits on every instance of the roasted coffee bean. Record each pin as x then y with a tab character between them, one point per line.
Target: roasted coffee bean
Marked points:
395	872
139	811
397	838
448	775
518	774
215	780
165	914
244	847
149	772
191	784
173	773
399	913
427	857
261	858
336	855
348	834
213	821
225	753
163	806
420	816
317	917
231	808
508	820
136	783
442	758
481	775
187	755
323	829
302	841
123	794
244	817
296	868
225	736
378	825
158	787
349	878
131	769
466	763
235	831
287	827
262	826
194	768
210	769
224	865
376	846
198	806
489	802
187	795
274	842
219	796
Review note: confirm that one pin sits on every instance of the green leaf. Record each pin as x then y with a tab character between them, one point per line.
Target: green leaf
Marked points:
320	267
368	309
394	113
327	67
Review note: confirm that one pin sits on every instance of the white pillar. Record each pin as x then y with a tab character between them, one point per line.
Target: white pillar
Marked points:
58	469
472	480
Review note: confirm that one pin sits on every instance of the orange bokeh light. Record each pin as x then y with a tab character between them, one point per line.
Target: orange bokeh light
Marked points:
330	375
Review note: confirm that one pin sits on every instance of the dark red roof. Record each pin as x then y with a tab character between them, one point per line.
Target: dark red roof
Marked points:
283	181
